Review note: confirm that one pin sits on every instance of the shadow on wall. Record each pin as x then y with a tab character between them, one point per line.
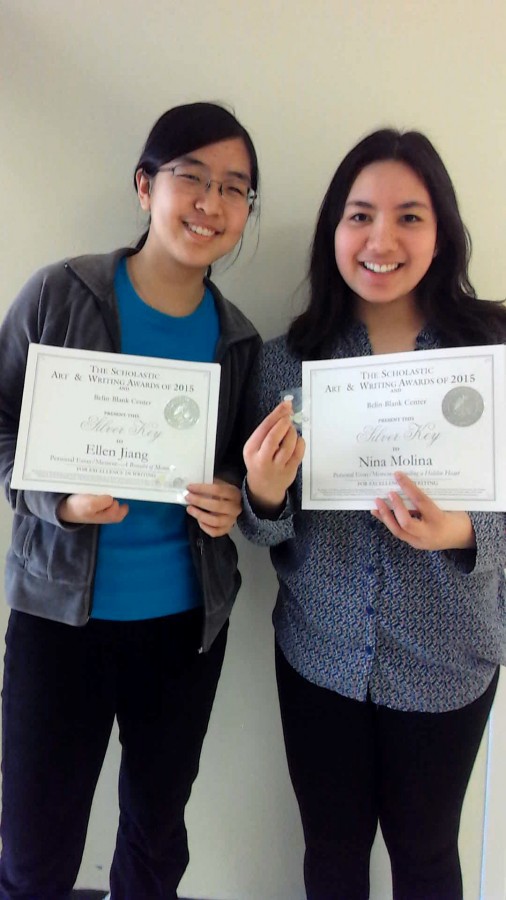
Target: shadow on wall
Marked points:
267	283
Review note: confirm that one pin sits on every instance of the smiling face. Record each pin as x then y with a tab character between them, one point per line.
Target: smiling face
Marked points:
386	239
191	230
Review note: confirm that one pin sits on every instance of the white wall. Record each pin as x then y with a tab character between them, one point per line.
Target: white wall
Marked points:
81	82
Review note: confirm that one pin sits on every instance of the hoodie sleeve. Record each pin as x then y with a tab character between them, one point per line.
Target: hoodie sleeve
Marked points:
22	326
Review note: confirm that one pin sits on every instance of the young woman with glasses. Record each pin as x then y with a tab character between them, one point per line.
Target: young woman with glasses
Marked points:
121	610
389	626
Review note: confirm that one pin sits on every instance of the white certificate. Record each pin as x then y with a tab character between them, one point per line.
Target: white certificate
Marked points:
106	423
437	415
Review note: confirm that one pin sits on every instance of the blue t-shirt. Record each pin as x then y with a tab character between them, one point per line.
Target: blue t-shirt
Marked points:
144	564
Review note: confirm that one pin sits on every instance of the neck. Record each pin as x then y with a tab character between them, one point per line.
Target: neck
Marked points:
392	327
164	284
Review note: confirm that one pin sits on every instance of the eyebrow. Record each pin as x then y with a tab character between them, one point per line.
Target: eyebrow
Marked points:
408	204
231	173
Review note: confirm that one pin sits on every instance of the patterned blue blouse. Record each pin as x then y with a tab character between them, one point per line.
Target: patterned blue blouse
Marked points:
358	610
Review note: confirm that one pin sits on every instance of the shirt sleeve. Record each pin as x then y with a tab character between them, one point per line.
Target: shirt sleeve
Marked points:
261	397
490	550
266	532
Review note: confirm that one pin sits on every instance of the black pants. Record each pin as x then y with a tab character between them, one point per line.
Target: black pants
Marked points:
353	764
63	687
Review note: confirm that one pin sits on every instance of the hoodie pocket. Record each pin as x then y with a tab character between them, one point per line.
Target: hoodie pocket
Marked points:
22	536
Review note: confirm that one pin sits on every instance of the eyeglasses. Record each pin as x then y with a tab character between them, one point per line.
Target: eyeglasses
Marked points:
193	179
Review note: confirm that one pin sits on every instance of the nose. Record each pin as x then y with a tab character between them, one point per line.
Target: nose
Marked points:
210	197
382	236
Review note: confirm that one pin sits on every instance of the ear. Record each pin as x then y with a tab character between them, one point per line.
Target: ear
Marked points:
143	183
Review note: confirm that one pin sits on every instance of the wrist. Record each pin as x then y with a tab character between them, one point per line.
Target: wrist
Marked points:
466	538
265	504
61	510
468	534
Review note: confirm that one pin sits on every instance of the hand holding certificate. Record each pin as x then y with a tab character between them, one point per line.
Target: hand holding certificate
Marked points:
105	423
437	415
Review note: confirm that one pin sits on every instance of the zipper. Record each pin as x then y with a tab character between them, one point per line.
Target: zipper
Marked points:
94	555
200	545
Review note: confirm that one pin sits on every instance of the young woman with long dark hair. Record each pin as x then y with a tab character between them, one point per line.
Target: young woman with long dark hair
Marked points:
389	626
121	610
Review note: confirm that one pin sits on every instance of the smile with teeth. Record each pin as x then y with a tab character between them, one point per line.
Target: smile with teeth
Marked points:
381	269
199	229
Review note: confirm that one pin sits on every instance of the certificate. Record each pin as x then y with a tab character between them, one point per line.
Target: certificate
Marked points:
134	427
437	415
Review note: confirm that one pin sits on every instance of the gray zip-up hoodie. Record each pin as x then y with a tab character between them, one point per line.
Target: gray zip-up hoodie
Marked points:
51	564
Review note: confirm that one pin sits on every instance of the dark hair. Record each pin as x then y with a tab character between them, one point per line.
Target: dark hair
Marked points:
188	127
445	294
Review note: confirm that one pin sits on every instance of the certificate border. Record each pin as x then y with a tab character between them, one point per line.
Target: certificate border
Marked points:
483	353
162	494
